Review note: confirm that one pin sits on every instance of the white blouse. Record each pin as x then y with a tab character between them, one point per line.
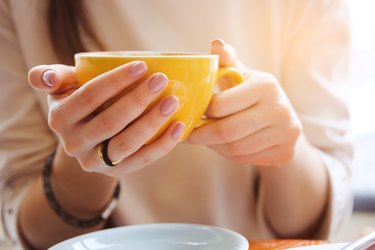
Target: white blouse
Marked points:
304	44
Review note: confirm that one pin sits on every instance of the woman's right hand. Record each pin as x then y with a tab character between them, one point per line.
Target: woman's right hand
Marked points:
73	117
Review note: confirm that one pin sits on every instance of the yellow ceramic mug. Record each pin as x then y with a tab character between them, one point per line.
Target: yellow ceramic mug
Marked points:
192	78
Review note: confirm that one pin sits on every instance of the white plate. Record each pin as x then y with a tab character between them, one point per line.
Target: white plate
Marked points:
169	236
329	246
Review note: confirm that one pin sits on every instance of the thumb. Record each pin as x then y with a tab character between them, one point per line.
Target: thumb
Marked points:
227	58
227	53
53	79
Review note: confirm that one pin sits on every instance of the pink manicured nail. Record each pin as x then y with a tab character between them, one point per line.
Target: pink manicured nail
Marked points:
48	78
169	105
137	69
177	130
157	83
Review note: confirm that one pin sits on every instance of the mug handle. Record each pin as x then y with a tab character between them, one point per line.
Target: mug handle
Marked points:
237	78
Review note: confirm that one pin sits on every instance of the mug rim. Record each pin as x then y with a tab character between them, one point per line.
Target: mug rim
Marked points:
143	53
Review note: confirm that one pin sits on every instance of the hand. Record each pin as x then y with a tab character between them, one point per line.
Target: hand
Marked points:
73	115
255	124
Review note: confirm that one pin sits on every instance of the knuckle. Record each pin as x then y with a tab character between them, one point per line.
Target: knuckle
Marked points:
87	164
269	84
283	114
90	164
139	100
72	147
88	169
292	133
125	147
54	120
295	131
53	123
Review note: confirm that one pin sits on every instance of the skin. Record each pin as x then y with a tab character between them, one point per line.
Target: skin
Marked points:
262	129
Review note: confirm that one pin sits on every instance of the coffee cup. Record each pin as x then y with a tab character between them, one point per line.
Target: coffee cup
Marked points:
192	79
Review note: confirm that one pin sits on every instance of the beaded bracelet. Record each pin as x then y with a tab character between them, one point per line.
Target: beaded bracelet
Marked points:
64	215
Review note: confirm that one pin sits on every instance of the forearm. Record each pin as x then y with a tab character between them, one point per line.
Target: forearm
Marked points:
296	194
84	195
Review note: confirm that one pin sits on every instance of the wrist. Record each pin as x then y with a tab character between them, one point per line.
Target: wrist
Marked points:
81	194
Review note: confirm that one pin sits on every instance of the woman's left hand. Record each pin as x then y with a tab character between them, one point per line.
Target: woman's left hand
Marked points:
256	123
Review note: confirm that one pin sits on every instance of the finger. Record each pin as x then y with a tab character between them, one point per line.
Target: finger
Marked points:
99	90
273	156
53	79
151	152
260	87
136	135
227	53
125	110
221	131
233	100
251	144
228	58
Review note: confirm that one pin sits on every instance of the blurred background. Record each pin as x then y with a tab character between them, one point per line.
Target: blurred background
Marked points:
362	105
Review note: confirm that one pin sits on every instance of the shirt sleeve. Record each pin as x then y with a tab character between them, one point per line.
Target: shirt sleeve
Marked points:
314	76
313	73
25	138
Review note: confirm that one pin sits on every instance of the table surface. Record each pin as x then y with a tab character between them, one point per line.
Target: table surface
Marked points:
281	244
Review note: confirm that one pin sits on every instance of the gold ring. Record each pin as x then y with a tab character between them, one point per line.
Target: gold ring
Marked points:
103	154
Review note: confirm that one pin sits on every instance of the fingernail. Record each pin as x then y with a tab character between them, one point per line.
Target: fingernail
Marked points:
137	69
177	131
169	105
157	83
48	78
